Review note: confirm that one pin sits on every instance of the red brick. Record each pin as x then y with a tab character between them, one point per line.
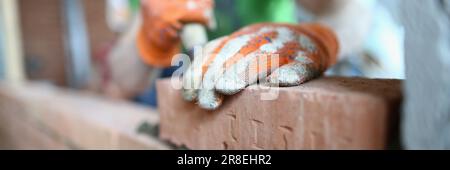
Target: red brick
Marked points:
78	120
327	113
19	134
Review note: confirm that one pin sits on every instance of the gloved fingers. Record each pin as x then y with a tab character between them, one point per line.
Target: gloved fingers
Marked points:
162	33
215	67
243	58
192	78
292	74
224	55
208	70
217	64
176	25
209	99
273	50
171	32
241	74
191	84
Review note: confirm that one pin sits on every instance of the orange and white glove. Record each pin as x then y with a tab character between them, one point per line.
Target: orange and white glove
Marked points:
159	37
282	54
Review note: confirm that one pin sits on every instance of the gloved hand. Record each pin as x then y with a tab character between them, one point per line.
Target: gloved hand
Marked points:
231	63
158	39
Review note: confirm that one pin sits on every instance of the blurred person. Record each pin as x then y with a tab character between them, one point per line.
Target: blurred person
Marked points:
373	41
133	67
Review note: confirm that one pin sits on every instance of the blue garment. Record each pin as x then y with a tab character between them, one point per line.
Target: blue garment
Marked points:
149	96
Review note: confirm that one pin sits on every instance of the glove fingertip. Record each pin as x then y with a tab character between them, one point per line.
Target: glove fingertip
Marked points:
286	76
209	100
229	86
189	94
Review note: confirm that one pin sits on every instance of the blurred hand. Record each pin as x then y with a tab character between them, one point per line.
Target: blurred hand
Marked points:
283	54
159	39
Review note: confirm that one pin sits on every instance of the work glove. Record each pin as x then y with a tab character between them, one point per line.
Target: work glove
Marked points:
159	37
280	54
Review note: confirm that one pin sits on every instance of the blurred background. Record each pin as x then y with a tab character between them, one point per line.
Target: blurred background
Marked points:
61	41
66	43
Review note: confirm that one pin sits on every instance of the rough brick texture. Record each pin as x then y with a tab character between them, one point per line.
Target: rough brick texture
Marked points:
36	116
327	113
